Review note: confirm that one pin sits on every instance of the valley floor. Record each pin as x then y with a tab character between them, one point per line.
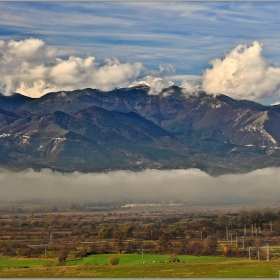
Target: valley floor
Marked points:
226	269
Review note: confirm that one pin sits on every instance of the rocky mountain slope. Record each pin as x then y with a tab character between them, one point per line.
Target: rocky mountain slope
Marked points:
90	130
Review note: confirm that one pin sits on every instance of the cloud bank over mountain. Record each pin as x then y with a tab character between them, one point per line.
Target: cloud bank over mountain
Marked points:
32	68
190	186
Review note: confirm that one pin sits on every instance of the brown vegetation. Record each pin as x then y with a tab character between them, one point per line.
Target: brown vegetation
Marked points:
175	232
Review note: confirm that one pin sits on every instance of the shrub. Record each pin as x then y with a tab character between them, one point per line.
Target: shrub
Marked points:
226	251
8	252
62	255
113	260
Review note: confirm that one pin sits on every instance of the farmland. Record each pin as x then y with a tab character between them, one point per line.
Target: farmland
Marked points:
147	241
211	269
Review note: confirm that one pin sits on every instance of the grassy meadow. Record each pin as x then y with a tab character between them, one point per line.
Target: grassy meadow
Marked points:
8	263
132	266
231	269
102	259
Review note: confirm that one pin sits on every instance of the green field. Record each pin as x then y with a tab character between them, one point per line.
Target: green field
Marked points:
102	259
6	262
131	266
231	269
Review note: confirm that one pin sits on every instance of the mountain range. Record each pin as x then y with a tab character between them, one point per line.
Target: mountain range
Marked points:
93	131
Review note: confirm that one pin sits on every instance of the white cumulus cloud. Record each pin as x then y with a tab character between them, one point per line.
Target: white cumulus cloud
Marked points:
33	69
243	74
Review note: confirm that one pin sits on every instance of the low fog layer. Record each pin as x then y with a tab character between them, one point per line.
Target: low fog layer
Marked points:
190	186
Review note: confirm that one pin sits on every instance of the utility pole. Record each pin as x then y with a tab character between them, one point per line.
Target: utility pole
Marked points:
267	252
243	242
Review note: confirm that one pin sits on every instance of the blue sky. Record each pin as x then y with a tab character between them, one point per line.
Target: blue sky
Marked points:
186	35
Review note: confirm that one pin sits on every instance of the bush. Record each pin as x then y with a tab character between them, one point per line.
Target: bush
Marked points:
113	260
8	252
62	255
226	251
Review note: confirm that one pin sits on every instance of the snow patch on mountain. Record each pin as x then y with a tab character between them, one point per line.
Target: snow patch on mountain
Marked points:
256	123
5	135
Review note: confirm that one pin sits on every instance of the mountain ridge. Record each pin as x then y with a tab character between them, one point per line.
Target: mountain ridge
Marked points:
214	133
